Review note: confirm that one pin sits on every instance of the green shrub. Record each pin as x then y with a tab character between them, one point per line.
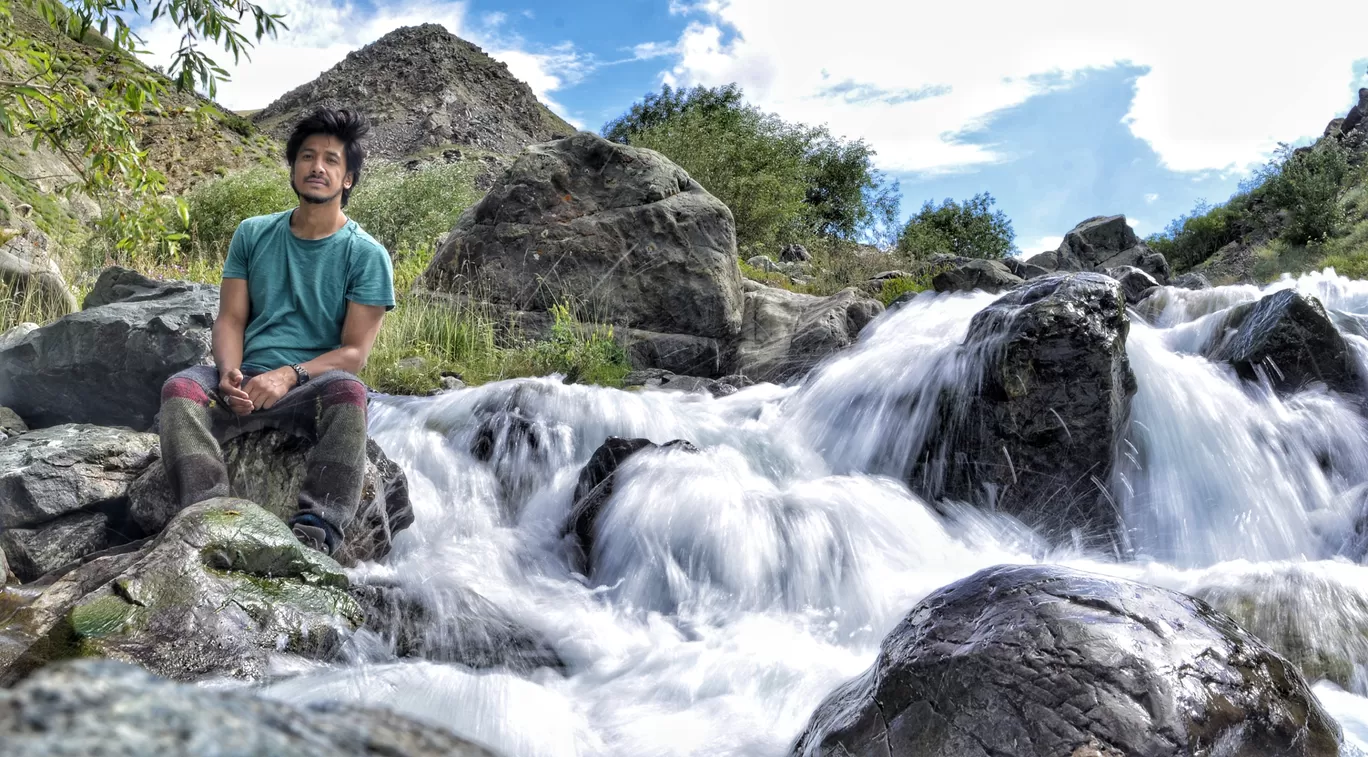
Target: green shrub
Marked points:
971	229
409	209
217	207
892	289
582	354
234	122
1189	240
1307	185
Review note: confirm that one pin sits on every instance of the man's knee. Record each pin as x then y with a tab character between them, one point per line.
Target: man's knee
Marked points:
180	387
343	389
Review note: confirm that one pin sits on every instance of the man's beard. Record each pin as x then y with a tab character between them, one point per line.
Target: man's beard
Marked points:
316	200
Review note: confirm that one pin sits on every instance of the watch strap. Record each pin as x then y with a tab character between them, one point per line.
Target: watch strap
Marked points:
300	374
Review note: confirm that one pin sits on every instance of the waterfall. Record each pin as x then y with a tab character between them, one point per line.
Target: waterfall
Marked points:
736	586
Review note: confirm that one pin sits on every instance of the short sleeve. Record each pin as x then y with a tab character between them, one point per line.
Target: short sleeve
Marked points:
371	278
235	267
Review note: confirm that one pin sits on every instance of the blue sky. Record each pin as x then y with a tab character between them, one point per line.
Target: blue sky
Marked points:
1061	109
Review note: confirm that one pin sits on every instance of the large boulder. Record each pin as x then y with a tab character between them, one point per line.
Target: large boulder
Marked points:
222	588
116	710
970	274
620	230
452	625
29	274
1100	243
106	364
268	467
64	493
1036	436
1287	337
1044	661
1136	284
594	488
785	334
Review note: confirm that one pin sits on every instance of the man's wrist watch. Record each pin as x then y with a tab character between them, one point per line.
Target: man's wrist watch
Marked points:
301	375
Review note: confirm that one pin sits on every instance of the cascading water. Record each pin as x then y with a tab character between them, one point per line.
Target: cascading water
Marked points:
735	587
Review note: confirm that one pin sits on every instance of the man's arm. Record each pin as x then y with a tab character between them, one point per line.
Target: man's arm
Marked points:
359	329
229	327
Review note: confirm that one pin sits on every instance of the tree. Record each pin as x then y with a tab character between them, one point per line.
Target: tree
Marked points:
784	182
93	127
969	229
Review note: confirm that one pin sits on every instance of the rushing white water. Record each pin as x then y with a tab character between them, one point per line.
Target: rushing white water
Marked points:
738	586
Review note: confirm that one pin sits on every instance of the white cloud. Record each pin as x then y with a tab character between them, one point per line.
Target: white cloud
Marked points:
1151	198
1210	100
322	32
648	50
1044	244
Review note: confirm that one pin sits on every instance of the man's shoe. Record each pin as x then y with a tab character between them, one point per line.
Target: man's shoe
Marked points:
312	537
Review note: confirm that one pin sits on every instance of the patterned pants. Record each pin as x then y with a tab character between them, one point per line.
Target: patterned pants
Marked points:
329	410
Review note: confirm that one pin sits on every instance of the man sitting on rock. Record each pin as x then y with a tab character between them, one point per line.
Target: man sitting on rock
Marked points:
303	295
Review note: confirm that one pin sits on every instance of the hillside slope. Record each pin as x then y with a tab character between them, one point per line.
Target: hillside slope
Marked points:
424	88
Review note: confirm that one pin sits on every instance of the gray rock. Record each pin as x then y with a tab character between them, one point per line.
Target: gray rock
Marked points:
451	384
454	626
677	353
100	707
106	364
223	587
764	263
594	487
57	471
656	378
1104	242
785	334
620	229
11	425
1045	661
1190	281
34	552
1022	269
1036	437
970	274
118	284
6	576
411	364
1135	283
1288	337
29	273
267	468
14	335
794	253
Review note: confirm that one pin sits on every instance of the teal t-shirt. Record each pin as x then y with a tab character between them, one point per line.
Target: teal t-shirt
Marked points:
299	288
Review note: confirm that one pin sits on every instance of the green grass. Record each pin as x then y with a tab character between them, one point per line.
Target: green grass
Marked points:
892	289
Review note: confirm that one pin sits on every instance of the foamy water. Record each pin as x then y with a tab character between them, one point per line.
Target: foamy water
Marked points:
736	587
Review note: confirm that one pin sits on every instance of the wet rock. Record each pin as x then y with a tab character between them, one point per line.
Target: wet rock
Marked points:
594	487
971	274
785	334
34	552
1289	338
677	353
223	587
583	217
453	625
1190	281
1036	437
1135	283
1319	623
116	710
105	365
656	378
268	467
1044	661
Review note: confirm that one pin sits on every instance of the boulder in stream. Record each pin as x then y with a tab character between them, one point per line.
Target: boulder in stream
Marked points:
1288	338
101	707
1045	661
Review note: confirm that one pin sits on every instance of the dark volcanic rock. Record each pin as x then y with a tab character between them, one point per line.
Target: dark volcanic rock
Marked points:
453	625
1044	661
785	334
267	467
618	229
969	274
1288	337
106	364
595	486
1036	437
99	707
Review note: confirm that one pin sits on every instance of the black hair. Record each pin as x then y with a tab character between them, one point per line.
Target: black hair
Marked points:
347	125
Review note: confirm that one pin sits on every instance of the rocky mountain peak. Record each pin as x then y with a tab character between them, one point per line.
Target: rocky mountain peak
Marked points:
424	87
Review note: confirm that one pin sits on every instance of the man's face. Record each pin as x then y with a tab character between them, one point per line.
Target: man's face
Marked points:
320	169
